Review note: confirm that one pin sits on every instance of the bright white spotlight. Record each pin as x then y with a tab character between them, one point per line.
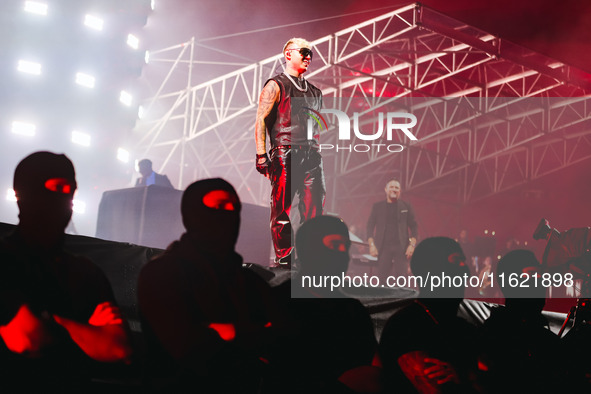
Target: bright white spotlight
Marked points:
22	128
147	57
10	195
29	67
122	155
153	4
85	80
125	98
93	22
141	112
133	41
35	7
80	138
78	206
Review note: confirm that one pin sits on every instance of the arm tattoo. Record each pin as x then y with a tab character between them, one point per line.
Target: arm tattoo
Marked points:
269	96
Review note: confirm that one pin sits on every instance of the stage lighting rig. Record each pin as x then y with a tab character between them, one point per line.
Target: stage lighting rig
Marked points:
63	83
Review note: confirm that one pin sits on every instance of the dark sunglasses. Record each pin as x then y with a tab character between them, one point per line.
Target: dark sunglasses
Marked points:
305	52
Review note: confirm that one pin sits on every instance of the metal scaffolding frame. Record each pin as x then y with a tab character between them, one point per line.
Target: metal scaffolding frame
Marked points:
491	115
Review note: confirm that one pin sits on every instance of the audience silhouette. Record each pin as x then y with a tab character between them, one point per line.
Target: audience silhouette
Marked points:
425	347
328	343
205	318
516	343
58	315
210	324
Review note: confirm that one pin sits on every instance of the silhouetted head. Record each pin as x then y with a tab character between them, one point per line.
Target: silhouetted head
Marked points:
520	267
210	209
322	246
44	184
144	167
435	258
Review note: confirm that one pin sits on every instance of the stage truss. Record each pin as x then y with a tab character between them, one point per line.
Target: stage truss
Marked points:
492	115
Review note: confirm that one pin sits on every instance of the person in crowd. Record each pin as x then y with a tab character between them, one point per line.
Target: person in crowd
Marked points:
424	346
328	344
206	319
58	317
516	344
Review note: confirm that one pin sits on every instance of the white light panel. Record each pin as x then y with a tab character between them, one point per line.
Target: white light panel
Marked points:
85	80
10	195
80	138
133	41
78	206
122	155
36	7
28	67
125	98
23	128
93	22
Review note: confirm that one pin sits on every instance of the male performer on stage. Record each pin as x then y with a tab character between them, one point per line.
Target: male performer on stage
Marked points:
295	165
392	232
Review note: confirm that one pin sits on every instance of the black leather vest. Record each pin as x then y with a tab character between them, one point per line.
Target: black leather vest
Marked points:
287	122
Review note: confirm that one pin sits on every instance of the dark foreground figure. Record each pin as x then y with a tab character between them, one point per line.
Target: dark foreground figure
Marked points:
205	318
516	343
58	316
328	344
425	347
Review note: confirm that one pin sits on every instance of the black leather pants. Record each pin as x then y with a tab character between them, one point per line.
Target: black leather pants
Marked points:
294	171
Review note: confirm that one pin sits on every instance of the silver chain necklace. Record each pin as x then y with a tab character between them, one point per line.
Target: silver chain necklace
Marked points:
295	84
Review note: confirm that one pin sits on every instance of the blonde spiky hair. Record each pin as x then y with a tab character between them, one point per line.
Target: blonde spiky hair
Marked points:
300	42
